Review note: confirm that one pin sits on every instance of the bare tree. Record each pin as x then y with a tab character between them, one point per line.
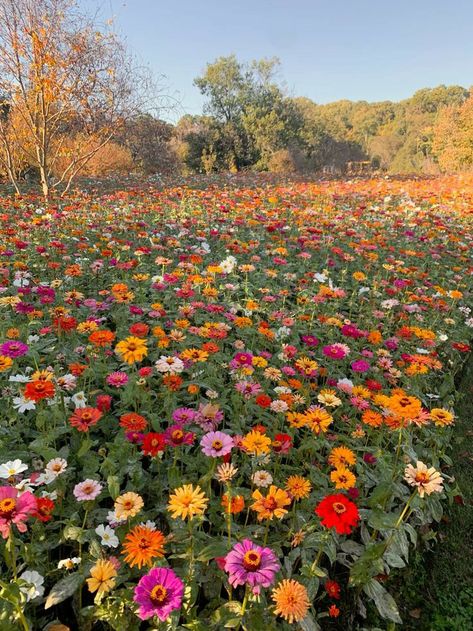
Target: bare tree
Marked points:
68	87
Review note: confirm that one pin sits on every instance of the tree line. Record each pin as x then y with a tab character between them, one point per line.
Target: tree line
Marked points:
74	103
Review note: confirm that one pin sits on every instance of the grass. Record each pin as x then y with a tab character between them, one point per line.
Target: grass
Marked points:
435	592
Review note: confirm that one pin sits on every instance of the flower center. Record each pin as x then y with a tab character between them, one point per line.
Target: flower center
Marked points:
422	477
252	560
7	506
270	503
339	508
158	595
177	435
128	504
217	445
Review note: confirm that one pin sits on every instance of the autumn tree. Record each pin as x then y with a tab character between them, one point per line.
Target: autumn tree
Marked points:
453	137
67	88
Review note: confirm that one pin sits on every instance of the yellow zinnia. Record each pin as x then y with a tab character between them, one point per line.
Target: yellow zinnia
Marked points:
272	505
102	577
187	502
132	349
256	443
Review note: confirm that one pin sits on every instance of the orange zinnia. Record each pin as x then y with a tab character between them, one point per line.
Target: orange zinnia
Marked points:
37	390
101	338
235	505
142	545
133	422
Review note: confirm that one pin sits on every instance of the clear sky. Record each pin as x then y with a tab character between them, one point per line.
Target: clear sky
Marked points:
329	49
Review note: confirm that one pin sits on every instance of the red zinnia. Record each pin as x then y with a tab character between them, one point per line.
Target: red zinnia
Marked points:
282	443
263	400
83	418
337	511
44	508
153	443
65	323
333	589
37	390
139	329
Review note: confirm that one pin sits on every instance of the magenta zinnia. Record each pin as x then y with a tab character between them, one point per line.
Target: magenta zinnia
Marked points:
250	564
15	509
158	593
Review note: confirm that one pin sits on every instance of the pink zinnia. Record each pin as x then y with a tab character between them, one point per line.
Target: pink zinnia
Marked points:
183	416
87	490
176	435
215	444
248	389
241	359
360	365
158	593
15	509
13	348
117	379
250	564
336	351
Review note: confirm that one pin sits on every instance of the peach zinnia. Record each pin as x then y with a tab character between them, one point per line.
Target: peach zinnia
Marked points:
427	480
128	505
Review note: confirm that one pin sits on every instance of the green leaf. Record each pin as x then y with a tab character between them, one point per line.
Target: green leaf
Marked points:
383	600
228	616
63	589
215	549
113	486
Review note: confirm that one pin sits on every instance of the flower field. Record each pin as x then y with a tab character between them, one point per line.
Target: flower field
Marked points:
227	406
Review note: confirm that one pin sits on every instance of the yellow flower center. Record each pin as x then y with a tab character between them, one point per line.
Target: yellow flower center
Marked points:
339	508
217	445
177	435
158	595
252	560
7	506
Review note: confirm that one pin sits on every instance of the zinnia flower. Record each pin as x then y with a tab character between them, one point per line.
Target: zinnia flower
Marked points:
291	600
128	505
427	480
37	390
87	490
158	593
15	509
153	443
103	575
132	349
83	418
187	502
298	487
142	545
343	478
256	443
216	444
250	564
337	511
341	457
272	505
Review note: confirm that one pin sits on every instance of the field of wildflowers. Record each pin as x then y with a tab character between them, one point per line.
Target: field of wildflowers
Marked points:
227	406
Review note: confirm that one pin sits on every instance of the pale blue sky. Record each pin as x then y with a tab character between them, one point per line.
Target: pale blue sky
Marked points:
329	50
